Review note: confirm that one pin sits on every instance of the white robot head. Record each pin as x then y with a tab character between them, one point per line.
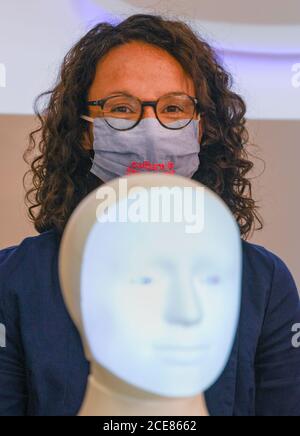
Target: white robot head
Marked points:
158	306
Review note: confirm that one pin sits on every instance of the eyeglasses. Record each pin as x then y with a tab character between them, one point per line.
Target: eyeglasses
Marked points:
124	112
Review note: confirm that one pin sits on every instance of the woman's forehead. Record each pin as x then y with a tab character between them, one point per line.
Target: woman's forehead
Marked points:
142	70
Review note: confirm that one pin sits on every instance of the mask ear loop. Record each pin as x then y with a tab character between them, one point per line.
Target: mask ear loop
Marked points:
87	118
91	120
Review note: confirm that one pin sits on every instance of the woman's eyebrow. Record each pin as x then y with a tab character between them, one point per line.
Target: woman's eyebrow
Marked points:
126	92
123	91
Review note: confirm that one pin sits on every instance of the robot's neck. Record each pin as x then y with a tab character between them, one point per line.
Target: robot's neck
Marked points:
103	401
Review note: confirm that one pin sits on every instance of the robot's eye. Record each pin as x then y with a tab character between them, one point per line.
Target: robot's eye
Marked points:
143	280
209	280
212	280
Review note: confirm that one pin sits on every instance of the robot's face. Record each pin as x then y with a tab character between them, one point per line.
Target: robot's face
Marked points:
159	306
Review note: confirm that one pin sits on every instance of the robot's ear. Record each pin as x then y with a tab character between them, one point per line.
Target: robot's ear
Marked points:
70	262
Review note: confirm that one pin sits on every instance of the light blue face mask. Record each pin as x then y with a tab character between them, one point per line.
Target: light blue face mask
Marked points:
149	142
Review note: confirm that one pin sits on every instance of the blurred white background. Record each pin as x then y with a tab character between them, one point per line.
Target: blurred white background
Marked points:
258	41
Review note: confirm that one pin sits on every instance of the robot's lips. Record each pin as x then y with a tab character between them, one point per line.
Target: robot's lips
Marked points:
182	348
180	355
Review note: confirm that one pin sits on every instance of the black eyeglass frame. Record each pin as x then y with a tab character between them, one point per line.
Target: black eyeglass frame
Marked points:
153	104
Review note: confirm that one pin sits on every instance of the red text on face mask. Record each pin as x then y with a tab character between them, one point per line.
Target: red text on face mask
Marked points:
139	167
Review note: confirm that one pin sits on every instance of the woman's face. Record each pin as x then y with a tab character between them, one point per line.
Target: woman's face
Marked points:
142	70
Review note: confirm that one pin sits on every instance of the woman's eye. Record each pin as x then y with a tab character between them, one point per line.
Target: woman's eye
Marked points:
122	109
173	109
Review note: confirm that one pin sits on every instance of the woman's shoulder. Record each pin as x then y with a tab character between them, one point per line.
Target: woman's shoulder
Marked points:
262	259
6	252
31	255
268	274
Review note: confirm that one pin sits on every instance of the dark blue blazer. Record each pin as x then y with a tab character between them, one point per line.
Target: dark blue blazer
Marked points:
43	370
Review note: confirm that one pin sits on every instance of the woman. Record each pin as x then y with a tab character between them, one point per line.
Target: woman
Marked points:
43	370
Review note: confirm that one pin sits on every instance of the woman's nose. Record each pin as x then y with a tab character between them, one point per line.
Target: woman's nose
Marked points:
149	112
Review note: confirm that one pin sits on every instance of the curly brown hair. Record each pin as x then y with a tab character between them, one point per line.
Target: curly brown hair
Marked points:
60	172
